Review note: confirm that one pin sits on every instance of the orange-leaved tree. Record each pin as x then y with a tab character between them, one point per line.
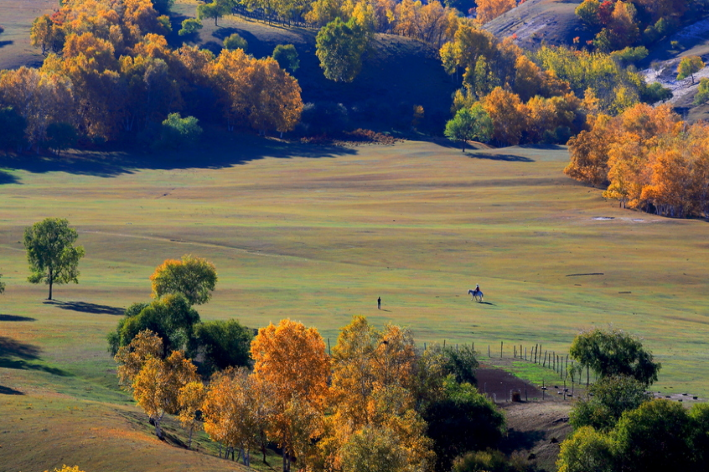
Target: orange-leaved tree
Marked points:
292	359
132	357
157	386
190	399
488	10
238	411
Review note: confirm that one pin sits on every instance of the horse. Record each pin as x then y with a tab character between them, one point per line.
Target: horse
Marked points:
477	294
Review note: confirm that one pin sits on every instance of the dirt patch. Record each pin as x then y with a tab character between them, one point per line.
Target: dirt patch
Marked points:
498	384
535	431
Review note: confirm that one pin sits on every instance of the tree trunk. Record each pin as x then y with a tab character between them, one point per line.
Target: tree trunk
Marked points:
285	466
51	282
189	442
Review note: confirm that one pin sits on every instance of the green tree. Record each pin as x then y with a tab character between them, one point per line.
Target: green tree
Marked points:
51	253
235	41
463	421
61	136
171	318
689	66
12	128
587	450
470	124
190	26
608	399
340	47
216	10
223	343
614	352
461	363
654	93
177	132
657	436
192	277
287	57
699	99
163	6
588	12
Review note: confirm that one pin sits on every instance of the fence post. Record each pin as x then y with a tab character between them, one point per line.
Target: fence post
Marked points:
444	343
328	346
488	351
501	349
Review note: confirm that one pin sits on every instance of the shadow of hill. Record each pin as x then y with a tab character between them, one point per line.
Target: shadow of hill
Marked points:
10	392
218	150
15	318
21	356
87	307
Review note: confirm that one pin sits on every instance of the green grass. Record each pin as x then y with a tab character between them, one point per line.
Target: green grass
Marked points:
317	233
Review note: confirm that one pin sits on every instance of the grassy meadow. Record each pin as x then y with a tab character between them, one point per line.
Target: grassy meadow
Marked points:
317	233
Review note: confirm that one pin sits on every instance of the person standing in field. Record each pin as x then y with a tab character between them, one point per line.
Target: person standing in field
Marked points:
379	303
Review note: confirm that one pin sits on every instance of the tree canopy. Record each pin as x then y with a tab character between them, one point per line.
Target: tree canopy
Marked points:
614	352
51	253
340	46
193	277
470	124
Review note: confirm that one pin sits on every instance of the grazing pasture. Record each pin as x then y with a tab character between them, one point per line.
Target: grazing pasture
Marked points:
316	233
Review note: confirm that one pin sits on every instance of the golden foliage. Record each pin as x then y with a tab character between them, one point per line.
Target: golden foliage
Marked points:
488	10
132	357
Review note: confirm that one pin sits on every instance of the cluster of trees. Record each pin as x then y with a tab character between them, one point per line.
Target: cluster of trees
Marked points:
619	426
111	75
375	404
647	158
619	24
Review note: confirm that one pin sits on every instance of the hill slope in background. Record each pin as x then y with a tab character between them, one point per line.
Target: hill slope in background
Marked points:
397	73
540	21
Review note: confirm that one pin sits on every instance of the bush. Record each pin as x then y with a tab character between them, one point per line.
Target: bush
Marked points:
464	420
287	57
61	136
190	26
177	132
223	344
235	42
702	93
488	460
324	118
654	93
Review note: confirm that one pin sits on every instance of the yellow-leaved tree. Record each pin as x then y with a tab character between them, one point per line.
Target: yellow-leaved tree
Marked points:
132	357
190	399
292	360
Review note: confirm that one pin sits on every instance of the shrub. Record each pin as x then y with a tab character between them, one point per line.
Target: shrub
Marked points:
190	26
61	136
287	57
177	132
235	42
702	93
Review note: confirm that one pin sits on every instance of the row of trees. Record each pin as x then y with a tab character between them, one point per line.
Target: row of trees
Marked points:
114	76
618	24
375	404
647	158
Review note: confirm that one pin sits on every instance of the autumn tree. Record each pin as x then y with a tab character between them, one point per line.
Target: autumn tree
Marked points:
156	388
689	66
190	399
339	47
238	411
291	358
193	277
470	124
51	253
132	357
509	116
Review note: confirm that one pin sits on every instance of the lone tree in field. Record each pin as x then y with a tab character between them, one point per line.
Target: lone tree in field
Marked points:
51	253
689	66
470	124
614	352
192	277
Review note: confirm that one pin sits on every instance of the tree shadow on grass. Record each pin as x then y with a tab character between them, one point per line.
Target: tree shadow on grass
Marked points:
15	318
6	43
6	178
10	392
87	307
493	156
22	356
218	150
